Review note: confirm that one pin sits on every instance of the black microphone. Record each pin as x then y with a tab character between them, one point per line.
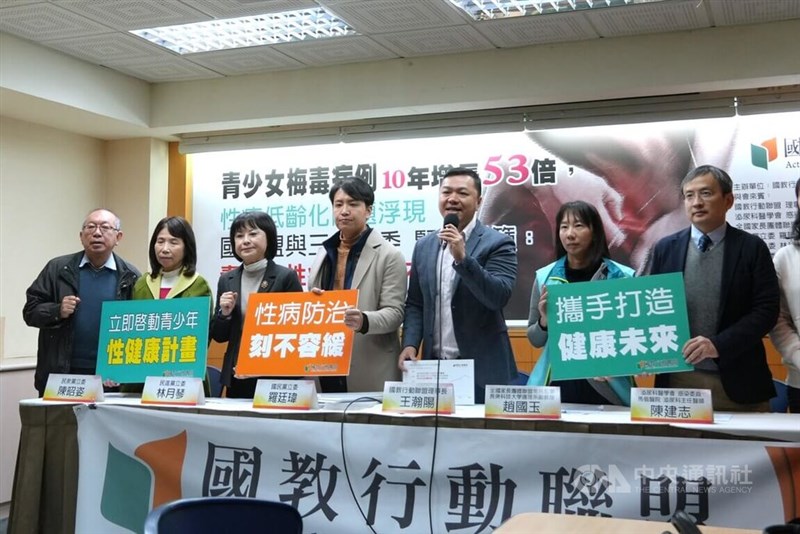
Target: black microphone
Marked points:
450	218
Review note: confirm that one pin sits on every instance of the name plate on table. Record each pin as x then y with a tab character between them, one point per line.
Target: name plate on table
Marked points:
523	402
73	388
173	391
671	405
460	373
285	395
401	397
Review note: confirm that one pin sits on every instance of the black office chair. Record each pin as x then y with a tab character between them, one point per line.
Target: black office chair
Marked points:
214	380
780	402
217	515
520	380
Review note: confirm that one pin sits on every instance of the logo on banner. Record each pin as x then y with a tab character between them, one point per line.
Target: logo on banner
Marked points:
158	464
785	462
761	155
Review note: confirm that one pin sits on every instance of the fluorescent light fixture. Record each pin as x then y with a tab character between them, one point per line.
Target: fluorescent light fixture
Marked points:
500	9
257	30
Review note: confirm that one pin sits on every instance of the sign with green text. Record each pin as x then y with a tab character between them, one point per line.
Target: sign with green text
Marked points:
621	327
141	338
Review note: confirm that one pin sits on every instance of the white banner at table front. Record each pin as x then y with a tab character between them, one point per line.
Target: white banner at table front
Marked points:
134	459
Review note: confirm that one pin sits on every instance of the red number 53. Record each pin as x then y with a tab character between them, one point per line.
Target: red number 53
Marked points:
517	170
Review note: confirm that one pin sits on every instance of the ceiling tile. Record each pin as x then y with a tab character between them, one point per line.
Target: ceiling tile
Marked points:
728	13
433	41
44	22
107	47
388	29
508	33
335	51
223	9
385	16
244	60
135	14
13	3
167	68
649	18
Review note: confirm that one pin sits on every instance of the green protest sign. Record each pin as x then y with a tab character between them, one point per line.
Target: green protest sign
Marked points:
617	327
141	338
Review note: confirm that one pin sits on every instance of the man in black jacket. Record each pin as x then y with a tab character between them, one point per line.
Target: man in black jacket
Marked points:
732	297
65	300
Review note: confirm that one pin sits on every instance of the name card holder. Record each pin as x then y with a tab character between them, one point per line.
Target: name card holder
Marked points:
419	398
460	373
523	402
662	405
173	391
285	395
73	388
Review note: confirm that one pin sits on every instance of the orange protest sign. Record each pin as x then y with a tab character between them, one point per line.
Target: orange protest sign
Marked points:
296	334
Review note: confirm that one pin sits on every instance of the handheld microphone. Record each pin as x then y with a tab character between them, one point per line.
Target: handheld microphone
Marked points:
450	218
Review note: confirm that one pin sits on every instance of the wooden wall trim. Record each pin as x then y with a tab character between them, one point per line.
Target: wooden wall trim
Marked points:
179	188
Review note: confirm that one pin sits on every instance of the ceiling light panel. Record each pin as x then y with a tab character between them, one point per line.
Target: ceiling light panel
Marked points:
258	30
500	9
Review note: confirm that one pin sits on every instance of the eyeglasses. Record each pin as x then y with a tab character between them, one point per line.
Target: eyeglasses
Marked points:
105	228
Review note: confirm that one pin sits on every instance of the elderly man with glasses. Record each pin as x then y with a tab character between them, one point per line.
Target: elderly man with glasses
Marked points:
65	300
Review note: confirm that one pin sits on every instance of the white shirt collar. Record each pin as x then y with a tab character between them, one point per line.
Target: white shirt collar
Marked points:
109	264
716	235
470	227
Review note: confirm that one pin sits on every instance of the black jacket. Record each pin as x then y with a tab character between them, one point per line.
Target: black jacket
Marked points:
58	279
750	300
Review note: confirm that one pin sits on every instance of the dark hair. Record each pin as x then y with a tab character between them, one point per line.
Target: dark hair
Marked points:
796	223
356	188
463	171
722	177
180	228
588	215
256	219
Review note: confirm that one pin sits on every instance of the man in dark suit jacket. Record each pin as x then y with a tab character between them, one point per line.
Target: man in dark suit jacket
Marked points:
478	267
732	297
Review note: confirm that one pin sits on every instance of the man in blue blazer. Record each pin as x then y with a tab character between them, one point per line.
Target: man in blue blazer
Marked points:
731	294
461	278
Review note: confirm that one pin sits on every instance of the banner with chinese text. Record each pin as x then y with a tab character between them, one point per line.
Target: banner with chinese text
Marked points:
485	477
296	334
141	338
631	173
621	327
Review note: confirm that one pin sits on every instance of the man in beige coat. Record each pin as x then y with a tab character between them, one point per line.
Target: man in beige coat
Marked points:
357	257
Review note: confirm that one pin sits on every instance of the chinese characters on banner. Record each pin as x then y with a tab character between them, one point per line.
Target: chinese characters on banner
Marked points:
631	173
141	338
296	334
387	474
617	327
